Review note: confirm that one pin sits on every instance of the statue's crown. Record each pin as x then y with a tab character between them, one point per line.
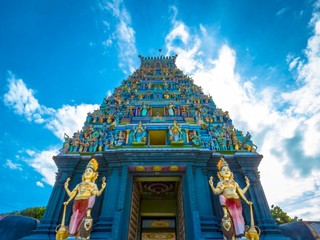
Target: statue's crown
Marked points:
93	164
222	163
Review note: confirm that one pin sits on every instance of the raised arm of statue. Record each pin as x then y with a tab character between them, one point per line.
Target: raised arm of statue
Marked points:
241	194
217	190
247	186
66	187
72	195
103	186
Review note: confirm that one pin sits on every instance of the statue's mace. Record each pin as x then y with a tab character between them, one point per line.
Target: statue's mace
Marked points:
63	231
252	233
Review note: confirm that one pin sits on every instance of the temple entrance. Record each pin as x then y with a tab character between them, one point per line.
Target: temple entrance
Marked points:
156	209
158	228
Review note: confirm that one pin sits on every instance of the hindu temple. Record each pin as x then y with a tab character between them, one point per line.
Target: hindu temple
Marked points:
156	142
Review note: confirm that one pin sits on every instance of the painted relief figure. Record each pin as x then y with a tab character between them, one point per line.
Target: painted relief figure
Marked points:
139	135
171	109
144	110
175	132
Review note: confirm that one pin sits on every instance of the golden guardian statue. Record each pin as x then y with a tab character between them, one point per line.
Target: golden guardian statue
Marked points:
229	195
84	195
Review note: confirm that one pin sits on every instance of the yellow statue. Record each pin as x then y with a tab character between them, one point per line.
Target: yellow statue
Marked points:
230	194
84	195
175	132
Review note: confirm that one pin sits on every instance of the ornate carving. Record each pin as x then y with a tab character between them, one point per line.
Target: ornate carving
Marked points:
158	92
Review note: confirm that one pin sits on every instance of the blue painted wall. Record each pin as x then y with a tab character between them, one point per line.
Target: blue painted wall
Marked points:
202	210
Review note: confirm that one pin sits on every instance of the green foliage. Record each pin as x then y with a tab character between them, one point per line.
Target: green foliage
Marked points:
282	217
35	212
296	219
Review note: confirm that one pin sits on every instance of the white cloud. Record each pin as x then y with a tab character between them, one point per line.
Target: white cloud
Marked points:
108	42
179	32
174	12
31	153
285	126
305	99
305	203
39	184
123	35
282	11
21	99
13	166
292	61
42	162
67	119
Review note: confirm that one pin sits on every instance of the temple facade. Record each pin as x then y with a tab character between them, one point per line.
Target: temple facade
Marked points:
157	140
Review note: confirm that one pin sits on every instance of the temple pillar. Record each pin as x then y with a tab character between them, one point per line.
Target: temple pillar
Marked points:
121	216
209	225
104	224
190	207
262	215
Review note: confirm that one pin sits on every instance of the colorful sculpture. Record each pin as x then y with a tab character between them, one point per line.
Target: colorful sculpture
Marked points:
175	133
171	109
157	93
229	194
144	109
195	139
139	134
249	144
84	195
121	139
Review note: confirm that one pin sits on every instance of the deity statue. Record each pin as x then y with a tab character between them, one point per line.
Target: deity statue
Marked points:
84	195
198	112
249	145
75	145
185	111
120	139
110	118
194	137
66	144
175	132
166	94
144	109
171	109
139	134
229	194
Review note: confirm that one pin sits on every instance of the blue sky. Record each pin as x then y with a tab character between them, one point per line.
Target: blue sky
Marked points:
260	60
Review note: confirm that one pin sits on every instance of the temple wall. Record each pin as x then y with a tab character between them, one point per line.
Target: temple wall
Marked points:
202	210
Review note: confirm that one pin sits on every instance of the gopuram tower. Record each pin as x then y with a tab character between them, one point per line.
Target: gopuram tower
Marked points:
157	140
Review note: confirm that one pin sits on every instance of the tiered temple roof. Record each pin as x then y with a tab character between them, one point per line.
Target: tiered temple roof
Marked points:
158	106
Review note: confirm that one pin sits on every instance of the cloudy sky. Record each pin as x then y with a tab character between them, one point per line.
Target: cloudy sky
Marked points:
260	60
